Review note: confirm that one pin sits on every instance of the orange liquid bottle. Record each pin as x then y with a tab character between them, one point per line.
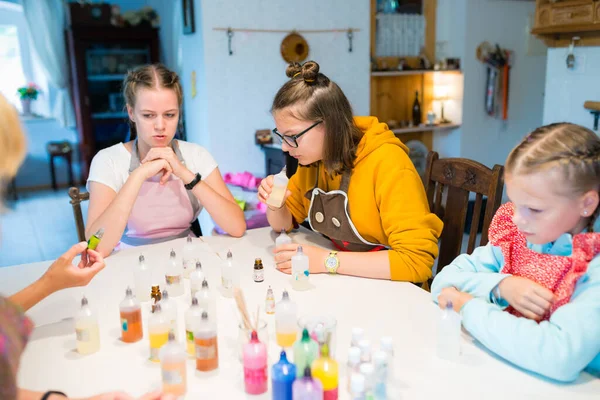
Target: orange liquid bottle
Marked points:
207	350
131	318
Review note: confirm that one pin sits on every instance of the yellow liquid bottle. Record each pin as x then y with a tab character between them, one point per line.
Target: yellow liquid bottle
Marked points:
158	331
286	327
86	329
325	369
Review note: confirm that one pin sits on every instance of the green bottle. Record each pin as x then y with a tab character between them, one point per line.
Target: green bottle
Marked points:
306	351
95	239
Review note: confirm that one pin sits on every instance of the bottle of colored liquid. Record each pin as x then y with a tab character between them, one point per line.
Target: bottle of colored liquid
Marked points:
365	350
131	318
286	321
169	310
193	316
142	276
306	351
207	351
86	329
95	239
416	111
357	386
358	334
386	343
227	273
196	278
270	302
173	276
448	340
282	239
188	259
325	369
368	371
380	381
172	363
155	296
300	270
283	375
259	271
255	366
280	182
158	330
206	301
353	366
307	388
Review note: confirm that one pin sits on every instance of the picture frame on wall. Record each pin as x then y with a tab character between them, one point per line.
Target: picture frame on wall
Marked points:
188	17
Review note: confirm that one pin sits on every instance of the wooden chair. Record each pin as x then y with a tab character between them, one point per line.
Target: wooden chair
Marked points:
76	198
448	182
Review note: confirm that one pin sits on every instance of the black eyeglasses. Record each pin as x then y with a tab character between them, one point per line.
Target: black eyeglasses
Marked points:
292	141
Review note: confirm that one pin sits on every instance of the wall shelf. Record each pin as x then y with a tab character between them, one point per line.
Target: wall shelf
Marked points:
412	72
426	128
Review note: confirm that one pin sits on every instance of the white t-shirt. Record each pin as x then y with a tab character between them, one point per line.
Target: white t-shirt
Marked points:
111	165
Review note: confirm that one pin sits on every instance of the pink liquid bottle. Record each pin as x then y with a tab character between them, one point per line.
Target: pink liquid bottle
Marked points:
255	366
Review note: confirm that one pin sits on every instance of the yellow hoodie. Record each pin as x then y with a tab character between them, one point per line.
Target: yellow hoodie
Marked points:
387	201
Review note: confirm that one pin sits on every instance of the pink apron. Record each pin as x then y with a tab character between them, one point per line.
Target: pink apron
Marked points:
160	212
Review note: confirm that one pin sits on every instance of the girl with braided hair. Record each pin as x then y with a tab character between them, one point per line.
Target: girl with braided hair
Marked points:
532	294
153	188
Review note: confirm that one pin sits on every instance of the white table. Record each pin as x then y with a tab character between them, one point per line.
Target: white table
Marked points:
401	310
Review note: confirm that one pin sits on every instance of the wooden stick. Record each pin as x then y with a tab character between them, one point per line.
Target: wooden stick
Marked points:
241	304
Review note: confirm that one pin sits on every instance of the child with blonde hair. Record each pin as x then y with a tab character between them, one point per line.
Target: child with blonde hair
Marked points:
532	294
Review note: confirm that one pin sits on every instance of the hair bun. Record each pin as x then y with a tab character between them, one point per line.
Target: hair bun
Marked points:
310	71
293	69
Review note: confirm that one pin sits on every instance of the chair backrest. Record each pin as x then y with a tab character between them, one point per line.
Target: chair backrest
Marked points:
76	198
449	182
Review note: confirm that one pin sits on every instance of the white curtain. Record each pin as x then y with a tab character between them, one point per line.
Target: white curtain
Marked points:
46	22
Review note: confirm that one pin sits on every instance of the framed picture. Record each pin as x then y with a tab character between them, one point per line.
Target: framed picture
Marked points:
188	17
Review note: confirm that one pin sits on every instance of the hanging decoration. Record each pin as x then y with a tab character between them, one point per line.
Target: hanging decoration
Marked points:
293	46
497	61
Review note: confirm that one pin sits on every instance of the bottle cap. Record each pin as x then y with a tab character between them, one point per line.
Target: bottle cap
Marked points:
173	255
165	294
128	292
194	301
100	233
299	250
198	265
285	295
229	255
84	301
189	239
204	315
205	284
141	258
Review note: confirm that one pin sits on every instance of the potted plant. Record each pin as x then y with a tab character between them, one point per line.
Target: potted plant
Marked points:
28	93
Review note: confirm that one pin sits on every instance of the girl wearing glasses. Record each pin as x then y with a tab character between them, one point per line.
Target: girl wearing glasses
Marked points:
152	188
356	185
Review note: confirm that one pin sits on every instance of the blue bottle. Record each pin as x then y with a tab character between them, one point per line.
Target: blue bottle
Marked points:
283	375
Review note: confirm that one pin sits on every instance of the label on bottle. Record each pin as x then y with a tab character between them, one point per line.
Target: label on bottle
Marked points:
206	352
270	307
226	282
83	335
173	279
259	275
255	376
171	377
124	324
189	336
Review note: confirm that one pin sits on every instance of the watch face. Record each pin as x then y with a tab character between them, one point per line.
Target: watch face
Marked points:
331	262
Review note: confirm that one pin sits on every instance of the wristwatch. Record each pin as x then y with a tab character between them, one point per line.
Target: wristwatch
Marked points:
194	182
332	262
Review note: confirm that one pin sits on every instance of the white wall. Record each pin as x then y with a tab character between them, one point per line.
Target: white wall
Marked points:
483	138
567	90
235	92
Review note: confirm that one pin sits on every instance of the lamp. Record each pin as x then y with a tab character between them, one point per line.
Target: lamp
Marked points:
440	93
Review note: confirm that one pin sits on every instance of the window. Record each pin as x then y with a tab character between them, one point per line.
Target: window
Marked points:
11	67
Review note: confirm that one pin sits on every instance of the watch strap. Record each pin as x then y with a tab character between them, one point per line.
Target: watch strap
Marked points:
194	182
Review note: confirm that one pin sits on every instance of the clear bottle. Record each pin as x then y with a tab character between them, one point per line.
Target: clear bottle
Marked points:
173	276
381	376
259	271
280	182
86	329
207	350
283	375
306	351
206	300
286	321
300	270
158	330
365	350
448	340
353	365
188	261
368	371
227	274
173	368
131	318
255	366
142	276
357	386
270	302
196	278
169	309
358	334
307	388
193	316
325	369
386	343
282	239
